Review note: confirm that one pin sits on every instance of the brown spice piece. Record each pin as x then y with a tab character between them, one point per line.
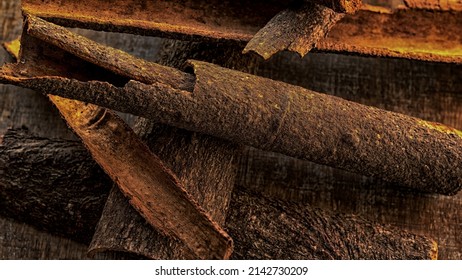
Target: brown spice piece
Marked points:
279	117
297	29
262	228
152	189
372	31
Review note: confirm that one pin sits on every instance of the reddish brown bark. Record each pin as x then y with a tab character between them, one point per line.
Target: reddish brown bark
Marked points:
403	33
263	228
152	189
297	29
279	117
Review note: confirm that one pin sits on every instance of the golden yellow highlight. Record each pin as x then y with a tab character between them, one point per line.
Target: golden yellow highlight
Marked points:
440	127
13	47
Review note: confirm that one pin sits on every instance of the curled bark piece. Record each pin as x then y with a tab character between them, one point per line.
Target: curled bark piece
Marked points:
263	228
205	165
152	189
279	117
301	123
297	29
109	58
276	116
404	33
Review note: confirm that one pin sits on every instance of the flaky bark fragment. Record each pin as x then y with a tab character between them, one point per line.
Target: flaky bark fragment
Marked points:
297	29
205	165
152	189
279	117
108	58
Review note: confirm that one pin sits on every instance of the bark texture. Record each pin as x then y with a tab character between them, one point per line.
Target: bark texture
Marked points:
300	123
297	29
372	31
341	6
62	175
424	90
205	165
263	228
151	188
266	229
362	139
438	5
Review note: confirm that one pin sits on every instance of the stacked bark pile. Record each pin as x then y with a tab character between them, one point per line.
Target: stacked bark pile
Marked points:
180	178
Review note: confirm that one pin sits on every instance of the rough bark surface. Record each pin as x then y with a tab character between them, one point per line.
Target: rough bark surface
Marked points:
439	5
299	123
151	188
270	229
415	34
297	29
425	90
204	164
362	139
23	242
65	178
341	6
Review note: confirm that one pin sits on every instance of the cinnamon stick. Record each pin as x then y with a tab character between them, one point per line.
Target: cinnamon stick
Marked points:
372	31
152	189
279	117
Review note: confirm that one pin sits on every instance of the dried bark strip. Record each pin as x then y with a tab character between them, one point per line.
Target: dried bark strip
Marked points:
297	29
206	166
413	34
435	5
152	189
262	228
109	58
299	123
279	117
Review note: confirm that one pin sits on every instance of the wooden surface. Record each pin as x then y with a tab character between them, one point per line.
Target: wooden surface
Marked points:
430	91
